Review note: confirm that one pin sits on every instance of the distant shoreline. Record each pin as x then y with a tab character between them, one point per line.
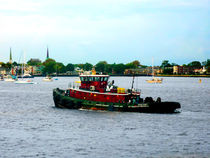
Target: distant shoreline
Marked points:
183	75
120	75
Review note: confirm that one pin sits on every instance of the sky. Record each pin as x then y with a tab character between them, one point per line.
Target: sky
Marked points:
116	31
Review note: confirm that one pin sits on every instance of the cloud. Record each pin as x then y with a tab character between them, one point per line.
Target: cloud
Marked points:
107	26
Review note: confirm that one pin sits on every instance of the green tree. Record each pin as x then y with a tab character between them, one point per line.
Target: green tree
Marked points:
8	65
119	68
108	68
49	66
87	66
81	66
100	66
206	63
136	63
165	63
34	62
69	67
60	67
130	66
133	65
174	64
168	70
194	64
15	63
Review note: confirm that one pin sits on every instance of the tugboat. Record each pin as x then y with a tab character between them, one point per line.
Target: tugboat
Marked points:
94	92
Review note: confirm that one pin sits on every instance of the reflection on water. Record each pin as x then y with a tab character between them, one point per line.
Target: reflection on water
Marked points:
32	127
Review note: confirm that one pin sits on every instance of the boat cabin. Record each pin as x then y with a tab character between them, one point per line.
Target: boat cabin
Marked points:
94	82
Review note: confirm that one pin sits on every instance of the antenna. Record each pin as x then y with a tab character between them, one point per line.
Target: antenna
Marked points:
132	82
153	73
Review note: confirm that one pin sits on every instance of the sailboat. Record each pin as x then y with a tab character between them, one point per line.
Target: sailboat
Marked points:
154	79
9	78
24	81
47	79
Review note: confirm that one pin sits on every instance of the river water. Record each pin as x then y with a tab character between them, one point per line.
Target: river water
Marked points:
30	125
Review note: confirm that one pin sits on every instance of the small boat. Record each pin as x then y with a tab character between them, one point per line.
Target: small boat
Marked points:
25	82
95	93
26	75
155	80
47	79
24	79
9	78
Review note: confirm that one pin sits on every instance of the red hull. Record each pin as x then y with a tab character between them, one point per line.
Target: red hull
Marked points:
102	97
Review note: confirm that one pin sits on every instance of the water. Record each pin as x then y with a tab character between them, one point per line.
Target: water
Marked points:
30	125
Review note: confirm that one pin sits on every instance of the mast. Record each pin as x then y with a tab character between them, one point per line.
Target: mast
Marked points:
47	53
132	82
23	63
22	71
10	56
153	73
10	62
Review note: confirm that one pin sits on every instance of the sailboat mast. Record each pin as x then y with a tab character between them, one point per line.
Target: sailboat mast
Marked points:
23	66
22	71
153	73
132	82
24	63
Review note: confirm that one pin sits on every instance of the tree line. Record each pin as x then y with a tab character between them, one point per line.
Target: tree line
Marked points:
50	66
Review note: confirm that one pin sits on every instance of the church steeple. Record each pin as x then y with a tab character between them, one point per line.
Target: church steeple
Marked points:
47	53
10	56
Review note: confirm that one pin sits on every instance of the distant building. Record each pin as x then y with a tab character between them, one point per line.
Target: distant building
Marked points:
3	71
143	71
156	69
139	71
181	70
200	71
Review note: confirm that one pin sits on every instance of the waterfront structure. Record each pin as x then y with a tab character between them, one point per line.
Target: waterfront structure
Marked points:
144	71
188	70
3	71
200	70
182	70
138	71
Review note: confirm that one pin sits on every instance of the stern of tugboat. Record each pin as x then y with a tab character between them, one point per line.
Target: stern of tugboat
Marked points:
164	107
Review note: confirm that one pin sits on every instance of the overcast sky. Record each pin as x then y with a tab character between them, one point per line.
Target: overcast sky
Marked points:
117	31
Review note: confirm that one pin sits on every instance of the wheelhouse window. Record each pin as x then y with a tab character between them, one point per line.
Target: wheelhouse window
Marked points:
89	78
93	78
97	78
85	79
105	78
